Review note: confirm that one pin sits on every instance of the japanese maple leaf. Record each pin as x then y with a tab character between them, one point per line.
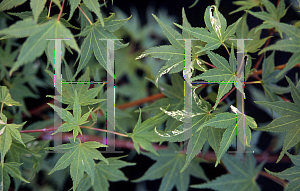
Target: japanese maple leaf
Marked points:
74	121
289	121
80	157
168	165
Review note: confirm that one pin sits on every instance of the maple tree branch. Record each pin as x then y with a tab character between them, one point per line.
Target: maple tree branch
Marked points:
62	7
280	67
49	9
85	15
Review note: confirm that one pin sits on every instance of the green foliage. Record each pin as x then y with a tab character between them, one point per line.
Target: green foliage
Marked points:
242	175
80	158
25	72
168	165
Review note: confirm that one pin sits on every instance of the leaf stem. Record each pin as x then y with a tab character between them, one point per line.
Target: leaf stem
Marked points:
253	82
226	48
85	15
49	9
225	96
62	7
1	107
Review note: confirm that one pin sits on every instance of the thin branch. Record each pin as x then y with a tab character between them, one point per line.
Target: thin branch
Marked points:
103	130
280	67
279	181
85	15
62	7
141	101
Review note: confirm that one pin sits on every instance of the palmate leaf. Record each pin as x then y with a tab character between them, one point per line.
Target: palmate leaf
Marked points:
291	174
274	14
242	31
288	45
289	121
174	100
37	7
143	133
8	4
229	122
12	169
106	172
245	5
241	177
85	95
80	157
167	167
217	32
93	43
225	74
36	44
174	53
7	132
5	97
201	114
269	81
92	5
72	122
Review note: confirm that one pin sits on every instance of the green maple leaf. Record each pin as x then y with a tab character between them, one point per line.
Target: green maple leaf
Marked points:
92	5
225	74
241	177
269	80
200	114
167	167
7	132
92	42
85	95
7	57
36	44
217	32
80	157
291	44
289	121
143	133
174	53
106	172
5	97
242	32
229	122
12	169
245	5
174	100
291	174
72	122
16	150
273	14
